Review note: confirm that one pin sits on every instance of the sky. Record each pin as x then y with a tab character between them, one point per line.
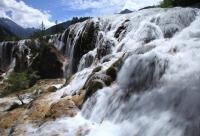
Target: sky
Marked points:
31	13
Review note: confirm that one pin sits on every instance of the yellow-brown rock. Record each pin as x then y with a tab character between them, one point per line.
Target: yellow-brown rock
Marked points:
79	99
64	107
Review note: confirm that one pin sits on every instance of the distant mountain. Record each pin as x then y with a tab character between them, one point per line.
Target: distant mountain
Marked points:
125	11
11	27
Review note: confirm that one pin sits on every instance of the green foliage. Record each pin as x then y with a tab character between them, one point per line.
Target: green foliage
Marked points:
77	20
20	81
167	4
173	3
58	28
17	81
6	35
185	3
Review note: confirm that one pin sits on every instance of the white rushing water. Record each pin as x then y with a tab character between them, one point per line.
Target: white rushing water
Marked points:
157	89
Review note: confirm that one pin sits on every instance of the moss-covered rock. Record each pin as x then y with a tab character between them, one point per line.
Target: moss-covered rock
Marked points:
93	86
95	82
107	80
97	69
52	89
112	72
48	61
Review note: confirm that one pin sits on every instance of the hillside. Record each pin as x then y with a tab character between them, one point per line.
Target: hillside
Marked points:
16	29
6	35
59	28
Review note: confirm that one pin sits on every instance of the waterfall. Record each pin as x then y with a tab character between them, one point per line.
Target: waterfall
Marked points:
6	50
156	92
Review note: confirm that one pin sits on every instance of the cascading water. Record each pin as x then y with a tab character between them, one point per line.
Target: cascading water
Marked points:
6	49
157	89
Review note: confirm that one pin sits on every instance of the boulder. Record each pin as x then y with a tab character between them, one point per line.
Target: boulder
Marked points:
93	86
112	72
64	107
52	89
95	82
97	69
79	98
121	31
115	68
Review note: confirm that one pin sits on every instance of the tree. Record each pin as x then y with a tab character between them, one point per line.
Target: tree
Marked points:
56	26
185	2
42	26
167	4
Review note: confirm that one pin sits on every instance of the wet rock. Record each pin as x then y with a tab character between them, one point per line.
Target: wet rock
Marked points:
112	72
85	43
141	72
52	89
86	61
148	32
144	49
97	69
79	98
13	106
64	107
93	86
121	31
83	131
95	82
104	48
107	80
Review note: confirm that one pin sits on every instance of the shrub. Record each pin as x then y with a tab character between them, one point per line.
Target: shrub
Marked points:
17	81
173	3
185	2
167	4
20	81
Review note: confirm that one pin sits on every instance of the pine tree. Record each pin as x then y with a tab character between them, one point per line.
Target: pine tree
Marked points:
42	26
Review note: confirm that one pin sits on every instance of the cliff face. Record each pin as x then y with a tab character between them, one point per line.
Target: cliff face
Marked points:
36	55
131	74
